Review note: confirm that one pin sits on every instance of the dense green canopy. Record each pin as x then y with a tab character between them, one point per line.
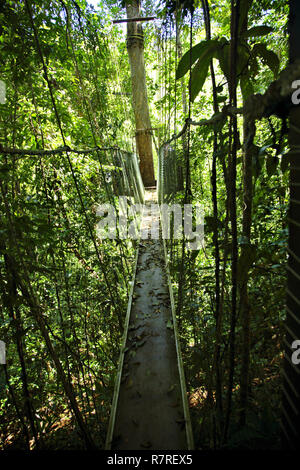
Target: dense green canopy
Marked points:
63	291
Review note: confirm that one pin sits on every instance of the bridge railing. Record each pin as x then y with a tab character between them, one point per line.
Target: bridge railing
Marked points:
128	180
169	174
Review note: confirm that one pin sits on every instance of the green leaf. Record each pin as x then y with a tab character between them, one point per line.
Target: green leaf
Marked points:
223	55
243	59
268	57
198	77
189	58
257	31
246	86
200	70
276	266
245	6
200	51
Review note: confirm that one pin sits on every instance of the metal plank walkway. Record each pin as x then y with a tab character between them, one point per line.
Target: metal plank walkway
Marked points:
150	409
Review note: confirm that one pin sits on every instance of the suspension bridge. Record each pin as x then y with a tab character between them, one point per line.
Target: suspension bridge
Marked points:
150	408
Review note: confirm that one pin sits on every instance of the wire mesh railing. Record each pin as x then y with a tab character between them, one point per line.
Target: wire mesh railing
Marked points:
128	180
169	174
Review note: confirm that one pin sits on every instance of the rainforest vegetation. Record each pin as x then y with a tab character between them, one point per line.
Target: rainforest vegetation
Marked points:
67	125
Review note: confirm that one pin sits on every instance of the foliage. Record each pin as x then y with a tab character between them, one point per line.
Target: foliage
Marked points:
52	269
52	272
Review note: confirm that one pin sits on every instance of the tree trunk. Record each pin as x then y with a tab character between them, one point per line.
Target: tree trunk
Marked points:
249	133
249	130
218	313
135	47
233	144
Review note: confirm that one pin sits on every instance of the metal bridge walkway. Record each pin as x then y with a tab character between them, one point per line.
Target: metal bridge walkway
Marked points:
150	409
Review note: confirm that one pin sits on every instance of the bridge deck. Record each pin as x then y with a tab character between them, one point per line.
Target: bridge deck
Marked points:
150	410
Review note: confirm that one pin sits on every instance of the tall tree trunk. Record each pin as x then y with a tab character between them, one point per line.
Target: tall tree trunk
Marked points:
249	133
233	143
135	47
246	248
218	316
